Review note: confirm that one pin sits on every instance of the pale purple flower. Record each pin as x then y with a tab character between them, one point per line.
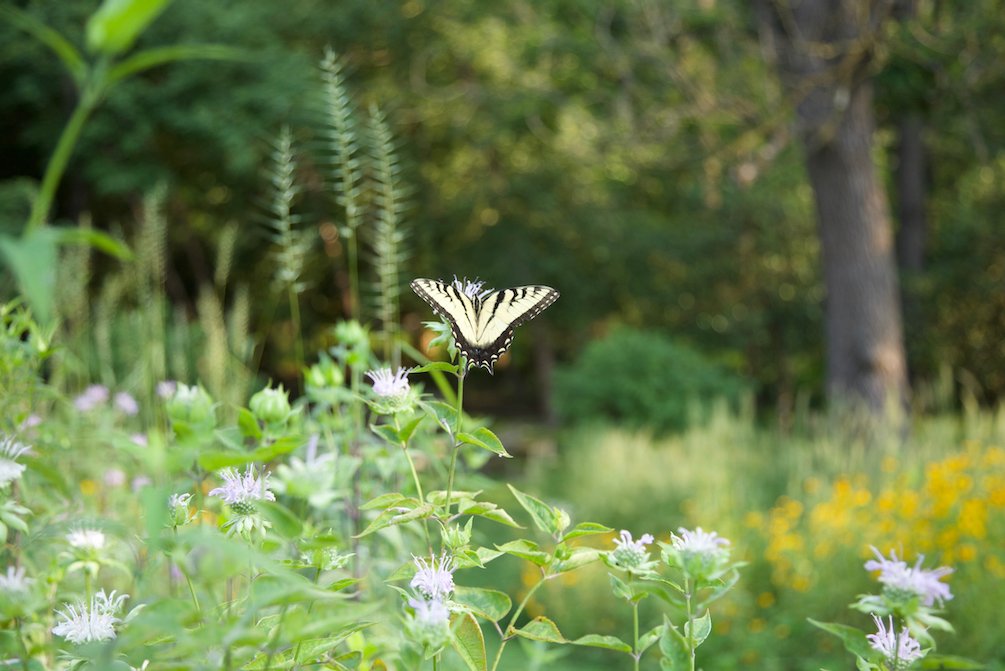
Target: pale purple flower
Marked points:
86	539
471	288
698	542
632	555
388	384
240	490
432	613
138	439
139	482
85	623
126	404
176	500
15	581
897	575
10	451
92	397
433	579
31	421
166	388
900	650
115	477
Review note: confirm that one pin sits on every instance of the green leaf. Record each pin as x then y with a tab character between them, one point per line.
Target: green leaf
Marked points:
385	501
214	460
581	556
541	629
32	259
283	520
608	642
488	604
114	27
387	432
77	235
437	365
151	58
544	516
586	529
621	589
650	637
526	550
62	47
702	628
854	640
392	517
248	425
486	440
469	642
489	511
676	656
405	434
934	661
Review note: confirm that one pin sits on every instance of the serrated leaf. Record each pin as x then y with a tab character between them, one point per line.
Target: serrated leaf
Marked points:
543	515
489	511
526	550
385	501
392	517
469	642
541	629
486	440
580	557
702	628
854	640
248	425
676	656
650	637
488	604
620	588
406	431
608	642
586	529
387	432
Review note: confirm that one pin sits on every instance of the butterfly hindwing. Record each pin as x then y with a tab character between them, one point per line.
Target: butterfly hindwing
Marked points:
483	326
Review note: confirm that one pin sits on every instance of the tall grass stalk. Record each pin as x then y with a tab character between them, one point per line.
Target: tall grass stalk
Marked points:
292	244
388	235
341	144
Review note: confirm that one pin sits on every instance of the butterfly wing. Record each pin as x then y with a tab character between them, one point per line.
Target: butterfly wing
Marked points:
484	328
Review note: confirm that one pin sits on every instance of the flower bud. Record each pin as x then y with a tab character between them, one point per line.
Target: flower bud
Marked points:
325	374
271	406
192	406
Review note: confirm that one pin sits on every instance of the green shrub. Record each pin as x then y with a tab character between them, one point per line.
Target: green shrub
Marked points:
642	379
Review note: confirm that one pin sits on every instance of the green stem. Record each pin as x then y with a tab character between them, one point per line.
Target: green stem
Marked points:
506	632
21	643
310	606
57	163
457	430
354	311
295	318
635	622
415	479
689	639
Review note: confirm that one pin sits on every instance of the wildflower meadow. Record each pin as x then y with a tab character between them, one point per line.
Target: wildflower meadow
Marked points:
271	414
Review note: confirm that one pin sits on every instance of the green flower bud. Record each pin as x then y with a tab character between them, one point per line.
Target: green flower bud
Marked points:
325	374
271	406
192	406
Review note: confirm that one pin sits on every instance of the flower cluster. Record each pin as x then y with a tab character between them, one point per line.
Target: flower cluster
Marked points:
86	539
433	583
240	492
15	581
10	451
898	650
471	288
702	555
86	623
387	384
631	555
902	582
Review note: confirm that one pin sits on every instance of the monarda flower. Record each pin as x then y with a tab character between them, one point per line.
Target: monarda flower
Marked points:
900	650
86	623
241	491
903	581
434	579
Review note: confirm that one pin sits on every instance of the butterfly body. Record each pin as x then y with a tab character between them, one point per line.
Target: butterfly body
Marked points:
483	321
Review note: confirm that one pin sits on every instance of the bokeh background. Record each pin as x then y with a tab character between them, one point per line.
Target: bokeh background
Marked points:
664	166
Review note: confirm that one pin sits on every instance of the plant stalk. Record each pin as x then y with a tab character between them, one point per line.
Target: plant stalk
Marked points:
457	430
506	632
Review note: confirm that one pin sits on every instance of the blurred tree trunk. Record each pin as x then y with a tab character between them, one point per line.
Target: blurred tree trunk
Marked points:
823	48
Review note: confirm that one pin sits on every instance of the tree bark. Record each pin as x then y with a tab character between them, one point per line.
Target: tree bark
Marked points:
823	47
